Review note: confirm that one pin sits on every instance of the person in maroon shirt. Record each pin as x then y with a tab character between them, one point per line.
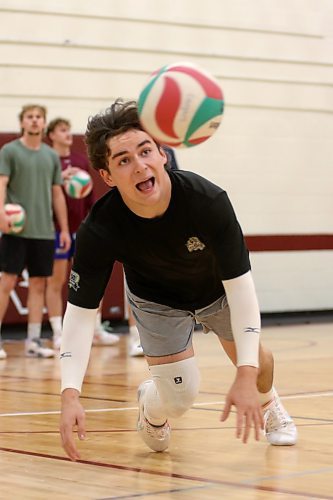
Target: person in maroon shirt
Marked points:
60	136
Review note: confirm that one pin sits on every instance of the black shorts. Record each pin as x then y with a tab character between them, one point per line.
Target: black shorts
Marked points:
18	253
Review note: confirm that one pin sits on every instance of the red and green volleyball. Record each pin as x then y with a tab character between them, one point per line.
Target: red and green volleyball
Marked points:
78	185
16	214
181	105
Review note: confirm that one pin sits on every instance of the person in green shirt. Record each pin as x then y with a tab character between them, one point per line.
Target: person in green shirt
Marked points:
30	175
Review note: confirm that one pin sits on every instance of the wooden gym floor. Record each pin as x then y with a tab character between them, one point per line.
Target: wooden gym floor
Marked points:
205	460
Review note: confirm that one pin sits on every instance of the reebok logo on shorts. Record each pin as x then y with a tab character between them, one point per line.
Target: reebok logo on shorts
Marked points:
178	380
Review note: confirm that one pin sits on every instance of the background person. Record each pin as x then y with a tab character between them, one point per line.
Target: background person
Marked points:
60	135
30	174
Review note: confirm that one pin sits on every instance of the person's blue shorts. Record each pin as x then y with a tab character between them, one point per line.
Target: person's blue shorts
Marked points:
59	252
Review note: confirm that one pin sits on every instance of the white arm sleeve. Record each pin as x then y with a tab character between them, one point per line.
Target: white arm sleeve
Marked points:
245	318
77	334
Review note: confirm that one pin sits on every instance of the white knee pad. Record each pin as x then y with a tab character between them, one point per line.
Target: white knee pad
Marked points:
177	385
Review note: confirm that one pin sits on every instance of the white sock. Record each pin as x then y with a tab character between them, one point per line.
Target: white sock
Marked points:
56	325
34	330
153	408
266	397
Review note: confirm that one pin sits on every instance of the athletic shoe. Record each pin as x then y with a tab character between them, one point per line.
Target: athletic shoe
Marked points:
3	354
279	429
34	349
157	437
136	350
106	325
103	338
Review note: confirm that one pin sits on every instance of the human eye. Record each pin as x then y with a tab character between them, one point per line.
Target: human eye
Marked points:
146	151
123	161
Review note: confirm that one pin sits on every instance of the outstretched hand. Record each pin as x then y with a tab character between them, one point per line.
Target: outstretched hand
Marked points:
72	416
243	394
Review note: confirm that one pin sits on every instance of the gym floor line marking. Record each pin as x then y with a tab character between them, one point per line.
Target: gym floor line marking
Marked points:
135	408
96	410
57	412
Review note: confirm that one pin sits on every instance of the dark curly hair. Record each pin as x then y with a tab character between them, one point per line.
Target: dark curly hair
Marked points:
117	119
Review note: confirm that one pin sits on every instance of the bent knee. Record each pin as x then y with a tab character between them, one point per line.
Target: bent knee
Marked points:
180	403
177	385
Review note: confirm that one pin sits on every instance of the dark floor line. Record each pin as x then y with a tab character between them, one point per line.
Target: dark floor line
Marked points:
168	474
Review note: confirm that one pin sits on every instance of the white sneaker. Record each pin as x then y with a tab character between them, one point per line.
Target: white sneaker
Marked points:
35	349
156	437
279	429
136	349
3	354
104	338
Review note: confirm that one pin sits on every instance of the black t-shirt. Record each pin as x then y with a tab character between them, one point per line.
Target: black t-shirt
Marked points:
178	259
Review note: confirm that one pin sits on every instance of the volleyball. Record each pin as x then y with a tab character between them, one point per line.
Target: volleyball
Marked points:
78	185
181	105
16	214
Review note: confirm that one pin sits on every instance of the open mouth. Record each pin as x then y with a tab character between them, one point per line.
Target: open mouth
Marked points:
146	185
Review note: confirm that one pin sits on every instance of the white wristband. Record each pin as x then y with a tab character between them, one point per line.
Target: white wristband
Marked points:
77	334
245	318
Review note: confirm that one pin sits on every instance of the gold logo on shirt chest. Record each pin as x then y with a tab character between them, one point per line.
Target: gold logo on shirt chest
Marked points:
193	244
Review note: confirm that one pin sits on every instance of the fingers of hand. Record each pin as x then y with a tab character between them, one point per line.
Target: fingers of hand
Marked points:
250	419
239	424
247	427
226	411
81	427
67	436
69	444
259	424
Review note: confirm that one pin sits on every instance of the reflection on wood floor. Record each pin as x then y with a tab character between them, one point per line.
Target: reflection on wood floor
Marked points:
205	460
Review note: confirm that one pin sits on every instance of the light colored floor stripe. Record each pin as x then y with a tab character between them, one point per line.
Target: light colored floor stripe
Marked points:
135	408
309	395
57	412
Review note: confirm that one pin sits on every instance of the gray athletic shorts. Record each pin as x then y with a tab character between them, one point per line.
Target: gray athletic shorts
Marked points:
164	330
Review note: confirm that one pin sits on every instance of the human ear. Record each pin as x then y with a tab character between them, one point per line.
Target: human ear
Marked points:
106	176
164	155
